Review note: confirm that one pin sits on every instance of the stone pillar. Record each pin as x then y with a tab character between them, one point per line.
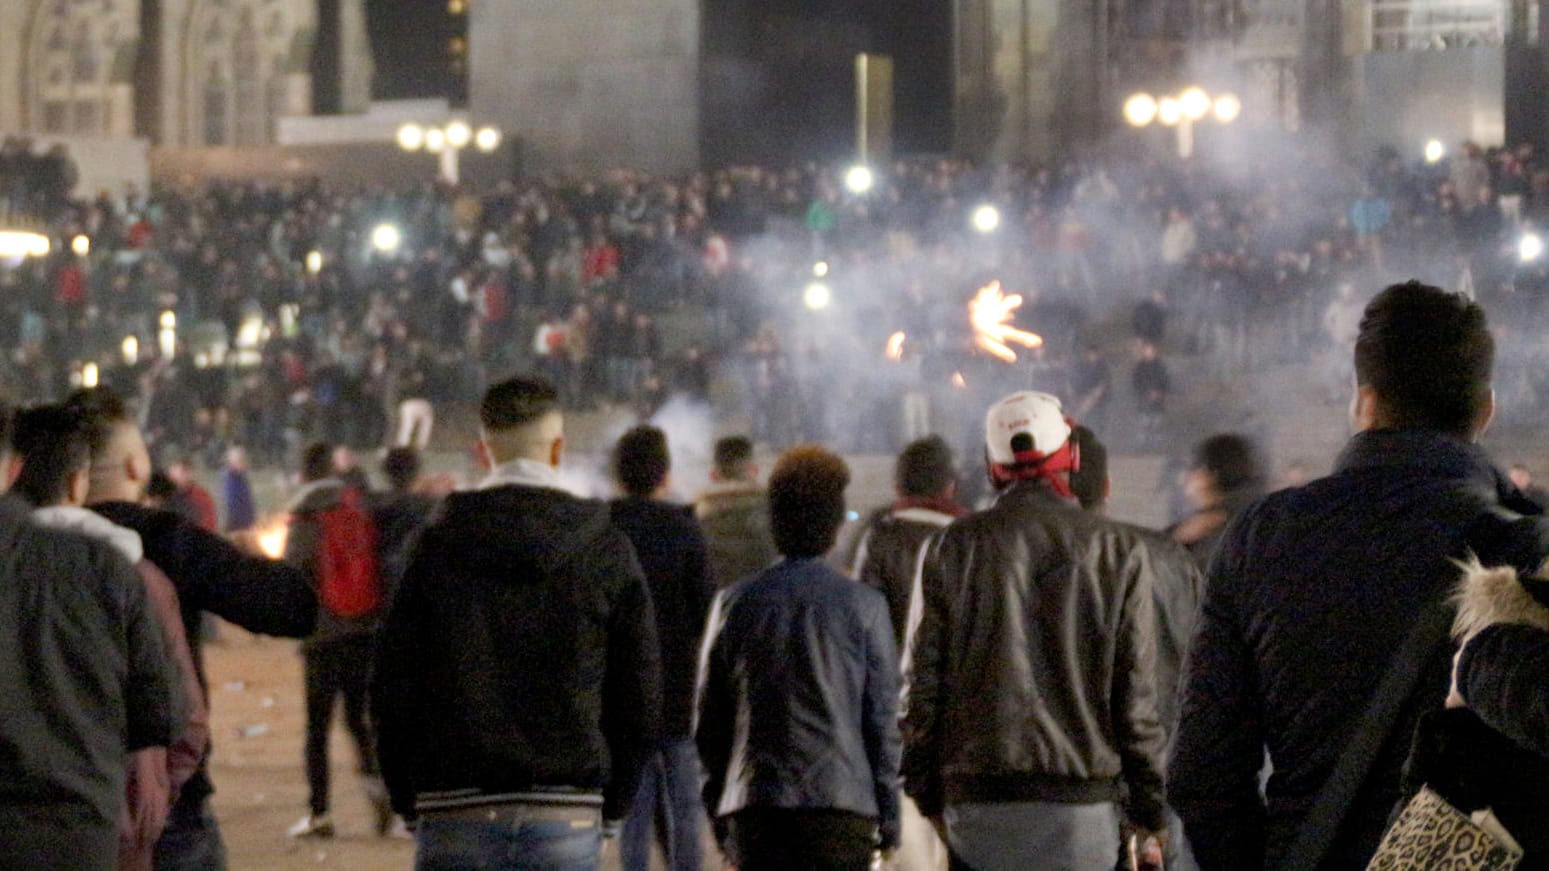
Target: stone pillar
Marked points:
14	18
355	66
1028	77
589	83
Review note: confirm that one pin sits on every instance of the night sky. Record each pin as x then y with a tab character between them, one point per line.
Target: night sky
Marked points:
793	95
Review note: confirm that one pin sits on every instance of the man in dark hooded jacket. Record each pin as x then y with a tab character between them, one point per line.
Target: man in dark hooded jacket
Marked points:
518	685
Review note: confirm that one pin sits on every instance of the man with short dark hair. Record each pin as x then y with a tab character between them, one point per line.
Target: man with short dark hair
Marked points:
250	590
798	695
1031	730
86	679
1312	601
672	553
518	689
734	514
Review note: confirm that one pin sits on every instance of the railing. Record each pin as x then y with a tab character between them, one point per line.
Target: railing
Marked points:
1427	25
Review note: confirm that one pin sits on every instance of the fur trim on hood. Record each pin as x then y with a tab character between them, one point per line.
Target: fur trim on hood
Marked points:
1489	596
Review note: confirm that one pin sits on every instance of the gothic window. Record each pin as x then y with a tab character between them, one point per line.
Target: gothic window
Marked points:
215	107
84	55
69	63
244	46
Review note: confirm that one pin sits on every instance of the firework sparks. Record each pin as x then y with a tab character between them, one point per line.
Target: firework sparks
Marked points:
992	313
895	347
957	380
271	538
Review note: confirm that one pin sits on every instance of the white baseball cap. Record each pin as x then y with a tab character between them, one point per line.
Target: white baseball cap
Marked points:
1027	412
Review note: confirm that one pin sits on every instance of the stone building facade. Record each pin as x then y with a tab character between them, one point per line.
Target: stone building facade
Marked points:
175	72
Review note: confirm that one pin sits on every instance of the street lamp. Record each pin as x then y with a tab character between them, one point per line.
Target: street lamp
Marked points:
448	142
386	238
986	218
859	179
817	296
1183	110
1435	151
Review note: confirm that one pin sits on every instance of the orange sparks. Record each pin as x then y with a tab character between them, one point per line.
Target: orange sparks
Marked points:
895	347
271	539
992	313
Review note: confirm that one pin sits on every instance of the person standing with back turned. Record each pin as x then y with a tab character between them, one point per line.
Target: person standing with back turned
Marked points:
518	689
1307	641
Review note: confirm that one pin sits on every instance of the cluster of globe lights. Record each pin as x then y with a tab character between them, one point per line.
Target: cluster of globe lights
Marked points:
1190	105
456	135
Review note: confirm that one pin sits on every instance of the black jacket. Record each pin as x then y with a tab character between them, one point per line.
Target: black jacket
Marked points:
259	594
798	697
672	554
1033	672
887	557
1312	593
85	678
520	655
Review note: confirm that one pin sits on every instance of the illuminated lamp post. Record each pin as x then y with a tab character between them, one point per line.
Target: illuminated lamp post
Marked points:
448	143
1182	111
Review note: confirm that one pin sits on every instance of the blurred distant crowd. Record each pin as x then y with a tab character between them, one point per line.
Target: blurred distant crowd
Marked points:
272	315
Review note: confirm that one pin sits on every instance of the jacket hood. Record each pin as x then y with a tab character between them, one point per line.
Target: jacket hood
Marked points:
1490	596
513	531
729	496
92	525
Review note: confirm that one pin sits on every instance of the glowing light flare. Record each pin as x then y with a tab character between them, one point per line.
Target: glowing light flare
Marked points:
1228	108
820	269
986	218
1169	111
435	140
81	244
131	350
314	262
487	139
859	179
817	296
1530	248
1195	103
958	382
271	538
22	243
895	346
411	137
991	313
386	238
1435	151
89	375
1140	110
458	134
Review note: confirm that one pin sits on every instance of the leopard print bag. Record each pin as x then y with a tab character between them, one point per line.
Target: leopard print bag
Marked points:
1432	835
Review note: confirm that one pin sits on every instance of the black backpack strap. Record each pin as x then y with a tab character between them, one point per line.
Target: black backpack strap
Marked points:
1324	821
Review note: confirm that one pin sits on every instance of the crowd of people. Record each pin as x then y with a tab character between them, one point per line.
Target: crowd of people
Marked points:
1017	683
273	315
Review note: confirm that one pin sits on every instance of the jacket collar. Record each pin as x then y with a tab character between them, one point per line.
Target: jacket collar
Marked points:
1032	489
522	472
1434	455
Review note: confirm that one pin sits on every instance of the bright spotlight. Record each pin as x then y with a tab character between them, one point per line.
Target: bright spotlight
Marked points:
411	137
1435	151
435	140
1530	248
1140	110
487	139
820	268
458	134
817	296
81	245
386	238
22	243
1195	103
131	350
859	179
1169	111
1228	108
986	218
90	375
314	262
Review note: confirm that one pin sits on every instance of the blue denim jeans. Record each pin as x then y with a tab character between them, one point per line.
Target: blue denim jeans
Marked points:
669	797
510	838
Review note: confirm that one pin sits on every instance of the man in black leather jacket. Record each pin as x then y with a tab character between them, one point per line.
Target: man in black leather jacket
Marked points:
1031	730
